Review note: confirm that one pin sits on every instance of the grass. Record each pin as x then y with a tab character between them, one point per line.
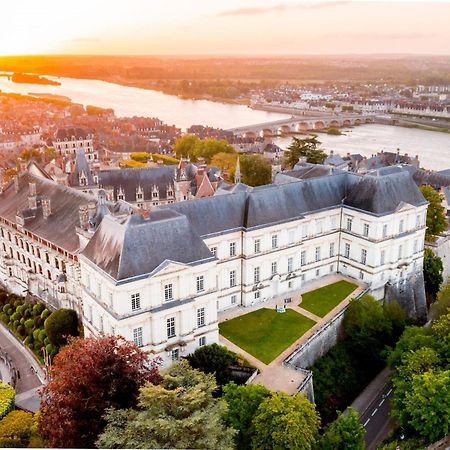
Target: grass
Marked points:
321	301
264	333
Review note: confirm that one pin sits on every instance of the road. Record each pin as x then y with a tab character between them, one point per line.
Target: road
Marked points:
376	419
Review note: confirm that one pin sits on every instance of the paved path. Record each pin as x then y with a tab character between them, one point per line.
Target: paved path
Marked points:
373	405
28	379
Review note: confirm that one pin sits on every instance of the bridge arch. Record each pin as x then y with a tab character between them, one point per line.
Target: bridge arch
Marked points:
319	125
369	120
266	132
334	124
249	135
358	122
302	126
347	123
284	129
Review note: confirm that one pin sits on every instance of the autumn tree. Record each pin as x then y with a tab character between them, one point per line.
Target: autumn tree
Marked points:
180	412
345	433
256	170
184	145
87	377
243	403
307	148
432	272
285	422
194	147
226	162
436	219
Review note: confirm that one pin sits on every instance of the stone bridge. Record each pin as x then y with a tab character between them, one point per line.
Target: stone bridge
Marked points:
301	124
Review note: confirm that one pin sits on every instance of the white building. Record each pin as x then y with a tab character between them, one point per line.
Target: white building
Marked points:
68	140
161	280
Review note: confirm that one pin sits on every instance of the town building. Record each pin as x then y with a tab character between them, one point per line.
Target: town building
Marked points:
69	140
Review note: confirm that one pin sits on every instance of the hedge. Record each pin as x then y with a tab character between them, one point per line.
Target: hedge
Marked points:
7	399
16	429
165	159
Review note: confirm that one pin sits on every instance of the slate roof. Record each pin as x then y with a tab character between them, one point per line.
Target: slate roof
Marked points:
59	228
68	133
130	179
137	246
81	166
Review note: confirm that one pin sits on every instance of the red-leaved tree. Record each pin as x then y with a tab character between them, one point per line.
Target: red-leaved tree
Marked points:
87	377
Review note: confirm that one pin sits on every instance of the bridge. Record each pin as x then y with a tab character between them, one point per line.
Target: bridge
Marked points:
301	124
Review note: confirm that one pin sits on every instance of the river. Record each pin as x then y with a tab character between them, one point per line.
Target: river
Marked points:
432	147
130	101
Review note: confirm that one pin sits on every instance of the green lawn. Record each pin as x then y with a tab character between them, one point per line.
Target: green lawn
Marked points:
264	333
321	301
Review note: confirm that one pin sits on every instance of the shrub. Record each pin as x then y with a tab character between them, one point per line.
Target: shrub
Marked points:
46	341
15	317
16	323
45	313
36	334
165	159
29	324
3	317
6	308
21	330
7	399
37	346
42	336
22	321
61	324
28	340
38	308
15	429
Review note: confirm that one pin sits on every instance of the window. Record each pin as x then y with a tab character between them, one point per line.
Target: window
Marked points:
233	299
384	230
290	285
137	336
332	268
291	236
418	221
175	354
232	248
201	341
333	223
303	258
400	251
401	226
349	224
363	256
201	317
319	226
366	230
232	278
168	292
257	295
110	296
274	241
382	257
290	265
317	253
170	327
213	250
415	246
200	283
305	231
135	301
331	249
274	268
361	275
257	245
256	274
317	272
347	250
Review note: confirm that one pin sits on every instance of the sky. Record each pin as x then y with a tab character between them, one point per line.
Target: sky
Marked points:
223	27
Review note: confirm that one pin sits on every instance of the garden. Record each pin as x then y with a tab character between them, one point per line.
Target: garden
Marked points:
265	333
321	301
42	331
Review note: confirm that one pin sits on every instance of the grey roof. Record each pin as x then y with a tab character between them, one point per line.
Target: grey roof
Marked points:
334	160
67	133
59	228
130	179
137	246
81	167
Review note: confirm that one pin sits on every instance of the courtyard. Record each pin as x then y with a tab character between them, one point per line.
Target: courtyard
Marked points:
265	333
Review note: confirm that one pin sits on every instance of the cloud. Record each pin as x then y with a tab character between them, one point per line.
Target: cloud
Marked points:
281	7
375	36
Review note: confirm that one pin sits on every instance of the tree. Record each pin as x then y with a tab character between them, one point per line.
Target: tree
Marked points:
184	145
226	162
442	305
432	272
87	377
304	148
61	324
436	219
286	422
215	359
345	433
207	148
180	412
256	171
428	404
243	402
15	429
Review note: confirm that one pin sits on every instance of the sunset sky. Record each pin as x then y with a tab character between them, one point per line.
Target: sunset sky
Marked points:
187	27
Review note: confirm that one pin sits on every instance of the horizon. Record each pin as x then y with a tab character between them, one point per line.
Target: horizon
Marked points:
233	28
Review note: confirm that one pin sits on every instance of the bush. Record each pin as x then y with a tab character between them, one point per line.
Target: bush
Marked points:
15	429
168	160
61	324
21	330
45	313
4	317
7	399
42	336
36	335
38	308
29	324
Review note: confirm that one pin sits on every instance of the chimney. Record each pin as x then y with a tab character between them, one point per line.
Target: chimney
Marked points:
84	216
46	207
32	197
